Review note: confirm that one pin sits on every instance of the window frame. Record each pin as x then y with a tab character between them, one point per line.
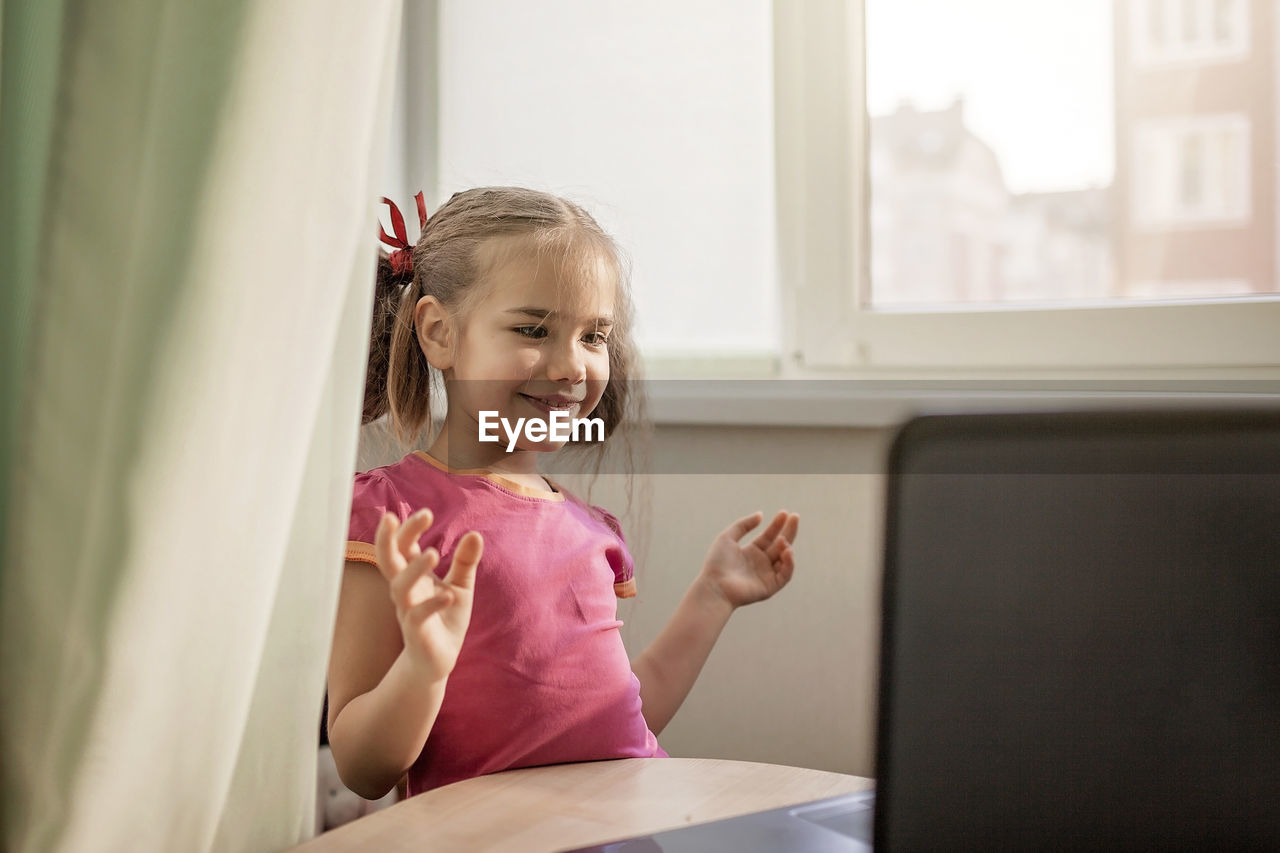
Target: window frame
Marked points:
823	195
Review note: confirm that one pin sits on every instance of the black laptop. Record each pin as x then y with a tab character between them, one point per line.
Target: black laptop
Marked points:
1080	644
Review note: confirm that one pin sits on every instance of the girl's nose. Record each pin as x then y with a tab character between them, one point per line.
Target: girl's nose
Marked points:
567	364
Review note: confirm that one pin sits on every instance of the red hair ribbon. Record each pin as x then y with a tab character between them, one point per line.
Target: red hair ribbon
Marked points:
402	256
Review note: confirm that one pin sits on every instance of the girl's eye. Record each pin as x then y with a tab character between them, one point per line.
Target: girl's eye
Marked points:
535	332
596	339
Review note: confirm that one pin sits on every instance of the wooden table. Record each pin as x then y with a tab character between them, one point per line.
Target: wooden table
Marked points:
573	805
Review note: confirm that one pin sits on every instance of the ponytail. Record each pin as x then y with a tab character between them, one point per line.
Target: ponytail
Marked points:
388	292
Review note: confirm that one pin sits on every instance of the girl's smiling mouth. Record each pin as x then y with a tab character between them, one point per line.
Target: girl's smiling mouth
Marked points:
552	403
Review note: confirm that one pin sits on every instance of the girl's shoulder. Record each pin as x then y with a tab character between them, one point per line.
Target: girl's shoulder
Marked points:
594	512
608	519
599	517
399	488
618	554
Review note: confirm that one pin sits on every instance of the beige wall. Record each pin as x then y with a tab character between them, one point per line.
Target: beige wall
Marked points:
792	680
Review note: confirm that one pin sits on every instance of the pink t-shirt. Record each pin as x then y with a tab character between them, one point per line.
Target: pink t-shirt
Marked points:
542	677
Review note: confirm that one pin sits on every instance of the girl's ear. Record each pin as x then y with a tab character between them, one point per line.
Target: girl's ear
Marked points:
435	329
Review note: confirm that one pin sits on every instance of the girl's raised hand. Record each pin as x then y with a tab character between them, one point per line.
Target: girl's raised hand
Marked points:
433	613
744	574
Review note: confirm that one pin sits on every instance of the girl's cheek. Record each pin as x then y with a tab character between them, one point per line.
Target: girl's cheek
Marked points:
529	358
595	390
601	366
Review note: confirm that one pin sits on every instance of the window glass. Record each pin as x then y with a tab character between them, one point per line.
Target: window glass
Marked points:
1069	150
658	117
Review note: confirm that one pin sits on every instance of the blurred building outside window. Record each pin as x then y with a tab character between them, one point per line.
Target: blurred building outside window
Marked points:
1158	181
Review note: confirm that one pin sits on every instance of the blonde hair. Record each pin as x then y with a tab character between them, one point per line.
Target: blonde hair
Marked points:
447	265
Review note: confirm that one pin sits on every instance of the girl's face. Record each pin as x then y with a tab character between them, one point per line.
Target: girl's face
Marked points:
532	346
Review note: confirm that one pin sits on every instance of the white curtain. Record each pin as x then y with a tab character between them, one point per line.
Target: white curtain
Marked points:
184	428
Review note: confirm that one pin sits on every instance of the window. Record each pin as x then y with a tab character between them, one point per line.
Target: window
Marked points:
773	168
1155	254
1227	21
1188	31
1157	27
1192	171
1192	195
658	117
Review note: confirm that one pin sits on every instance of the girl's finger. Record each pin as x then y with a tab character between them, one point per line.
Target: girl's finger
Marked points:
770	533
412	529
785	537
743	526
786	568
423	611
791	528
419	567
466	557
390	561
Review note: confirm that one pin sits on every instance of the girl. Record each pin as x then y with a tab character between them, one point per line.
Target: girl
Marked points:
477	625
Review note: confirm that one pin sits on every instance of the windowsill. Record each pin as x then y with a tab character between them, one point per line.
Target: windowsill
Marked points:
873	404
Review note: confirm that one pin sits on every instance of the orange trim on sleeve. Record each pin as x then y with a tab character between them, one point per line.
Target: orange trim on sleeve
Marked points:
625	589
360	552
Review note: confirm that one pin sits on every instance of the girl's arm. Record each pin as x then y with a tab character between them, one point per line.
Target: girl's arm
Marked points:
732	575
392	653
380	710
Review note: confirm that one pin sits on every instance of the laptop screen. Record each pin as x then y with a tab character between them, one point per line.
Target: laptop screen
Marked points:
1081	633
